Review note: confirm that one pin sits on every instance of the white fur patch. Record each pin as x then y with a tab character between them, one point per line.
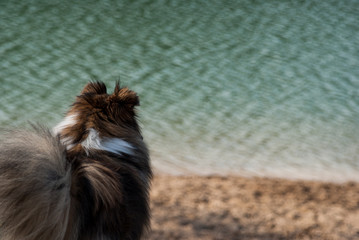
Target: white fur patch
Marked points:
117	145
68	121
92	140
114	145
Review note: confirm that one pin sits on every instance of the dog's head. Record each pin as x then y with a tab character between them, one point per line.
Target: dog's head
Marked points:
110	115
98	107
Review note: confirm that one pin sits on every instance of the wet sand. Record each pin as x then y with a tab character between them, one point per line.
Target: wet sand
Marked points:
193	207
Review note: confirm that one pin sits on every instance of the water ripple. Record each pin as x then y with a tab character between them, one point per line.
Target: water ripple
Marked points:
236	87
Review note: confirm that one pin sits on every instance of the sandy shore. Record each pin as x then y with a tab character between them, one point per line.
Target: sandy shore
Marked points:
252	208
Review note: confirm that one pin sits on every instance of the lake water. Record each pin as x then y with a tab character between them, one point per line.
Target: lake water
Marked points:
257	88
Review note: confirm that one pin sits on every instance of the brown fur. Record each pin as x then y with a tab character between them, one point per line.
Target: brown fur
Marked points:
48	192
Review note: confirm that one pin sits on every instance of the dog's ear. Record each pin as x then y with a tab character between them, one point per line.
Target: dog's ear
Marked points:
125	97
95	88
130	98
117	88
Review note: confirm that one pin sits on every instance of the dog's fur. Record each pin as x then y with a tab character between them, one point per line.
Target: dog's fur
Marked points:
87	179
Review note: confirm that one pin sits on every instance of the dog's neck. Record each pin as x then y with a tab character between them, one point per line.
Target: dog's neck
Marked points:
113	145
72	135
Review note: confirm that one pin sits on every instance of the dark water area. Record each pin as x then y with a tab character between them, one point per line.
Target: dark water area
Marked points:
227	87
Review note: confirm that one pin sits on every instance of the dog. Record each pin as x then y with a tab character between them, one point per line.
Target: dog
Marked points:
87	179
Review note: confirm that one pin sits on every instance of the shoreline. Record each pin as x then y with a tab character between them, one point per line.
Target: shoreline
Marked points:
283	174
235	207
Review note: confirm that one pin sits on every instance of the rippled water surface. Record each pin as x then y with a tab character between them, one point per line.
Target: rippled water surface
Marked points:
227	87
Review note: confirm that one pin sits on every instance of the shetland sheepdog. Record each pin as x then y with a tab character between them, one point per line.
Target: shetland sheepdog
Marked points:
87	179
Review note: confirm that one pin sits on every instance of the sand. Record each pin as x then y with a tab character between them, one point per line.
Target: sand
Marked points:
194	207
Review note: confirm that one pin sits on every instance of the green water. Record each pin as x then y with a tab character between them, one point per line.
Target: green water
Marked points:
227	87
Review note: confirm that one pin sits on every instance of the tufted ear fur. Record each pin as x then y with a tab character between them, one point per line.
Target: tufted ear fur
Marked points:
124	97
95	88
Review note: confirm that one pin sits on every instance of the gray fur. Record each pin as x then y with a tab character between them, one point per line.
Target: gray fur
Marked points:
35	181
